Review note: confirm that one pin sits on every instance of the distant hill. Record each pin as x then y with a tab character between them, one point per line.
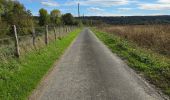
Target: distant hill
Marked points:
133	20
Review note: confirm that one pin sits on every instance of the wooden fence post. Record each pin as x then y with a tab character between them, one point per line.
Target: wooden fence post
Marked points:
55	35
66	29
59	31
17	52
33	36
69	28
46	35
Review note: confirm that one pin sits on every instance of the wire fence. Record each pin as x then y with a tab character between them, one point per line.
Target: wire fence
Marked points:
22	40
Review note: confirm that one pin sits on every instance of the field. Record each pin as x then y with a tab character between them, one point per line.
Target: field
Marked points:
137	46
154	37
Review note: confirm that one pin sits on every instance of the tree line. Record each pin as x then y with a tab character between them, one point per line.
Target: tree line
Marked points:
14	13
55	18
131	20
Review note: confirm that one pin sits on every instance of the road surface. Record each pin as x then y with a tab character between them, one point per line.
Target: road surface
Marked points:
89	71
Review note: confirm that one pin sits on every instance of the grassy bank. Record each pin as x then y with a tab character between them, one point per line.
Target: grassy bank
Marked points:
154	67
19	77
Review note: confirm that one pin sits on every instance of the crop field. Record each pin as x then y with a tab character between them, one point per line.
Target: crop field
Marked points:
154	37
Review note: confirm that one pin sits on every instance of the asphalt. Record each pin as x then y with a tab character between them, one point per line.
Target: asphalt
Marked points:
90	71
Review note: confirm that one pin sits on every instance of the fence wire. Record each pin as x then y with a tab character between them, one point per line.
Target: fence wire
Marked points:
29	38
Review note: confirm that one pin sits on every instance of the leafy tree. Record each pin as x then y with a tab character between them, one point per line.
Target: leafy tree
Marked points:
68	19
14	13
78	23
1	9
43	17
55	17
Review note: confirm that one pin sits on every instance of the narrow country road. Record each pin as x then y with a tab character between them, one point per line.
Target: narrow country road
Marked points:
89	71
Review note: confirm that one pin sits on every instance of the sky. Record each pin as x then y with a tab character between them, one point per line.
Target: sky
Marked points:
102	7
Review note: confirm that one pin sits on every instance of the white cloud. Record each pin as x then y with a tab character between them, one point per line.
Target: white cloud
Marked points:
103	14
124	9
151	14
164	1
109	14
159	5
94	9
154	6
50	3
105	3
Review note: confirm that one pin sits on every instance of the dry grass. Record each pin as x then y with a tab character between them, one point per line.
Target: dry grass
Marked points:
155	37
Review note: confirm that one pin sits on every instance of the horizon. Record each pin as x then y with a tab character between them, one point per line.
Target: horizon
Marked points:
111	8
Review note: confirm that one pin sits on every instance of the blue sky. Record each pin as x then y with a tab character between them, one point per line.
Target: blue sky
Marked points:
102	7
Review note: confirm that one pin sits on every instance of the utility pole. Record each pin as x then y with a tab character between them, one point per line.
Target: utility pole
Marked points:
78	9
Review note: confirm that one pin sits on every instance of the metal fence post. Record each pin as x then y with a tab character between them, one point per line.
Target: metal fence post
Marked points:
17	52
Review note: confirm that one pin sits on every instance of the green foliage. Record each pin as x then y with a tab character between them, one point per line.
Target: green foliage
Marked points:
154	67
78	23
55	17
4	26
14	13
1	8
43	17
18	78
68	19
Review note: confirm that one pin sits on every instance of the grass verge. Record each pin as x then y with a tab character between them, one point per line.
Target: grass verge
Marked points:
155	68
19	77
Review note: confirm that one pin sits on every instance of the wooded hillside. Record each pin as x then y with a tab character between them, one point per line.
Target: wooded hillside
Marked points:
131	20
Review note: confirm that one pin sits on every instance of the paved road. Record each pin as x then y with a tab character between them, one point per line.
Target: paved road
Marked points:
89	71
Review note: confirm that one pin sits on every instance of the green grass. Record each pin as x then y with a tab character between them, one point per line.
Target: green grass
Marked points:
155	68
19	77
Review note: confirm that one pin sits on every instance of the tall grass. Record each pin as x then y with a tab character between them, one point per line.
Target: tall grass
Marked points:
154	37
7	45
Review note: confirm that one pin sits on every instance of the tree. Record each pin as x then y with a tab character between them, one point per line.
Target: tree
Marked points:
68	19
44	17
14	13
55	17
1	9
